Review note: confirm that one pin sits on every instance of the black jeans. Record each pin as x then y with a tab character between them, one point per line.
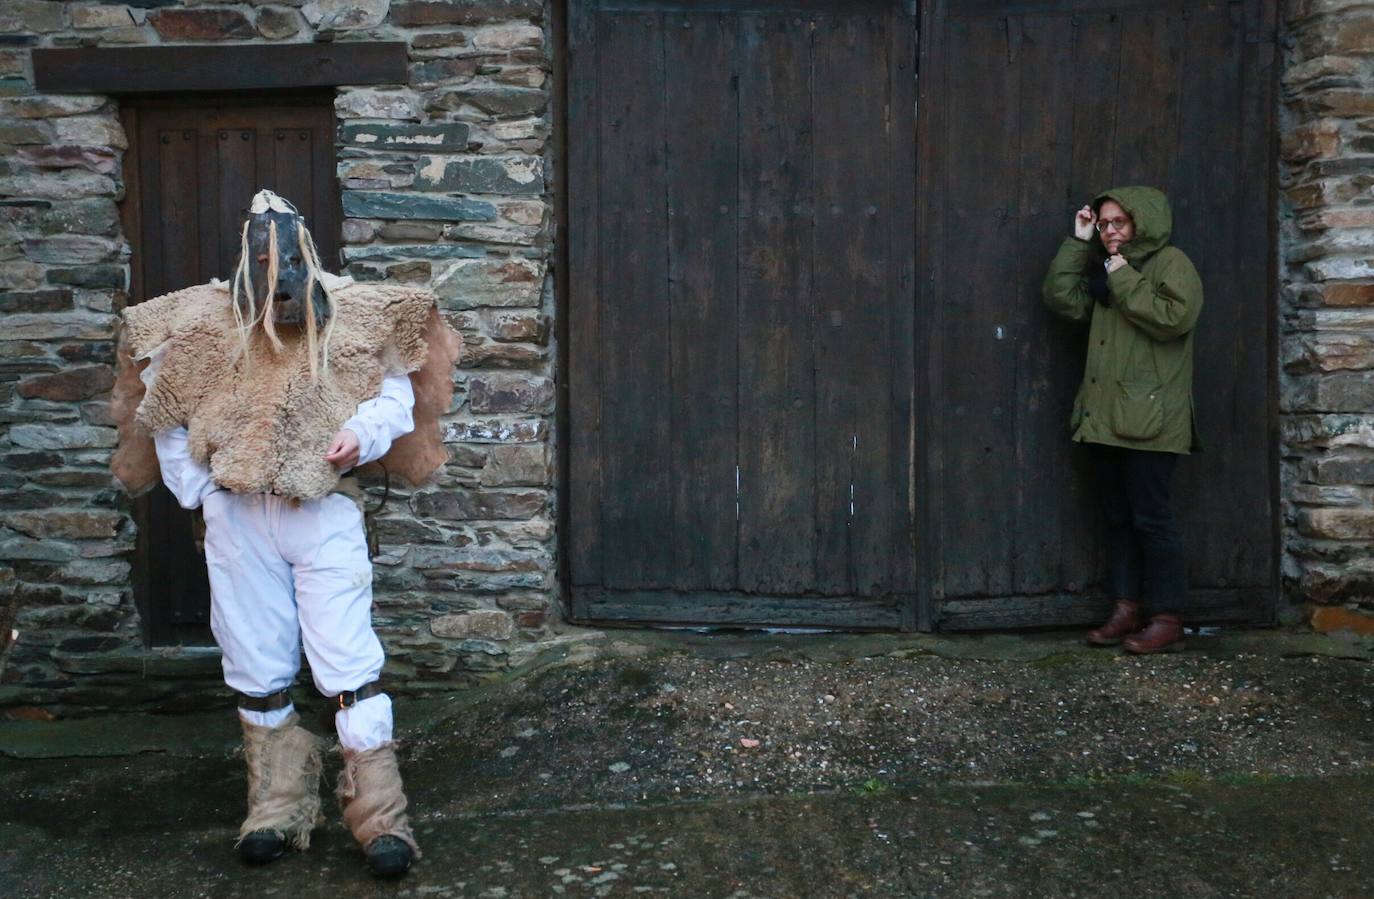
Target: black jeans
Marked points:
1144	546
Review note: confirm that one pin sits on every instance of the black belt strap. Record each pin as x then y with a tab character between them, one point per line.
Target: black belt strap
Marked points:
269	703
350	698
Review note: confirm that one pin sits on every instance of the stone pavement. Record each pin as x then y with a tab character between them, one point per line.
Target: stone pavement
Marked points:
681	764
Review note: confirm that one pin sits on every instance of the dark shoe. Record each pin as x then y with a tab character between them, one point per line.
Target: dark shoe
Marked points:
1165	634
1123	621
262	846
388	856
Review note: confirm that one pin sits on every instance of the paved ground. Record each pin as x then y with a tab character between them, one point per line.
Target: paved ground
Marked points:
785	766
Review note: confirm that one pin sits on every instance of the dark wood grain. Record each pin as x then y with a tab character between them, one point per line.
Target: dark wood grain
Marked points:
209	67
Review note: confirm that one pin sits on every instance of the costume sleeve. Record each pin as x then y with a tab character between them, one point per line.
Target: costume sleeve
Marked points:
1164	308
188	480
380	421
1066	288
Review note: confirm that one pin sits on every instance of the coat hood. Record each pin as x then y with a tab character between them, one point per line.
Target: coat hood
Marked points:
1154	220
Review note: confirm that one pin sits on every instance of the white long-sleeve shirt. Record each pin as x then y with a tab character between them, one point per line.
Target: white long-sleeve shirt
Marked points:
377	423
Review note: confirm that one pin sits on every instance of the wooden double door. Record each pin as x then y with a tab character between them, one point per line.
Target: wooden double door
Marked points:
193	166
811	380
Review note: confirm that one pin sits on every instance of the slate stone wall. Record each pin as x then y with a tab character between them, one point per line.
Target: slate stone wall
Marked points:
1327	331
444	184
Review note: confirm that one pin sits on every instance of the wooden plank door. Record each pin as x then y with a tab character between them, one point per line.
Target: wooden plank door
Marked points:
1062	100
741	368
193	167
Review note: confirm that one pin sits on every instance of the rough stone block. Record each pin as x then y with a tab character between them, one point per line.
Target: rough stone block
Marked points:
508	36
1333	619
1341	268
54	300
28	16
374	204
496	100
482	174
503	355
73	249
527	465
386	136
20	133
62	184
485	625
496	431
495	281
70	523
514	325
492	392
59	325
370	103
89	17
463	12
445	69
344	15
468	505
277	24
70	385
50	436
1313	139
1337	524
1344	469
1347	293
90	131
1350	32
201	25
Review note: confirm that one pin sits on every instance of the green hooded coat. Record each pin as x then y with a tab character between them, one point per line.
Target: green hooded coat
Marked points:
1137	389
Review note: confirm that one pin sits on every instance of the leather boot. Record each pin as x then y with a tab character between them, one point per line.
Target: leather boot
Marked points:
1165	634
374	808
284	766
1124	620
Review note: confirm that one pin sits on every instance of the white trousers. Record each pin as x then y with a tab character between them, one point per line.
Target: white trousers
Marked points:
283	575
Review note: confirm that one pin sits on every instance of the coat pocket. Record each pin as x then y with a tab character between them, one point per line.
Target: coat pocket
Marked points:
1138	412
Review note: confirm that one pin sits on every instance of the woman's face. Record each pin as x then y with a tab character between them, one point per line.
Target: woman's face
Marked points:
1115	226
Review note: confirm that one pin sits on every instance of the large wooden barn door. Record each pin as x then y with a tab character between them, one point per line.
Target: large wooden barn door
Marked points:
192	169
1029	107
740	316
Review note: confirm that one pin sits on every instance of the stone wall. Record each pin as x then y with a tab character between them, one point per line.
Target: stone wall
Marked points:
443	184
1327	331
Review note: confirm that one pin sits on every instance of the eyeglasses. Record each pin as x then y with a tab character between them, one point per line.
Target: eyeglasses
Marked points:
1118	224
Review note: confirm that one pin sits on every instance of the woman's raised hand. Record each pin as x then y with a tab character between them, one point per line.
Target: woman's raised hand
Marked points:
1083	222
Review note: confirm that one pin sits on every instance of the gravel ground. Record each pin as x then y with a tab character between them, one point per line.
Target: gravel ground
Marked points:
684	727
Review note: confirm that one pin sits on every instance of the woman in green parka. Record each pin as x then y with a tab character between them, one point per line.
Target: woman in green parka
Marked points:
1140	298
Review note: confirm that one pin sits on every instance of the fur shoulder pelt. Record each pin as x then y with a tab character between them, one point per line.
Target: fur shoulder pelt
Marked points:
257	418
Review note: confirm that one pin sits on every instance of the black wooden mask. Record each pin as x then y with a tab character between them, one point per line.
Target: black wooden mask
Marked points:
282	272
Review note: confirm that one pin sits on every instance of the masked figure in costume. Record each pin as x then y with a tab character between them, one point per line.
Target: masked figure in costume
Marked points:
256	399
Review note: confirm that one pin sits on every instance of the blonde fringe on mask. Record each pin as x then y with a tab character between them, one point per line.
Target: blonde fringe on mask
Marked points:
242	286
319	349
247	314
269	301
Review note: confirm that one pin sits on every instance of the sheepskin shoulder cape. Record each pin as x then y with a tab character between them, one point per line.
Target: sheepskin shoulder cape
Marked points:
259	420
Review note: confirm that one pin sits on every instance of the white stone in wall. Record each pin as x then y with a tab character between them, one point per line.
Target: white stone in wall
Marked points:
508	281
86	17
342	15
366	103
507	37
90	131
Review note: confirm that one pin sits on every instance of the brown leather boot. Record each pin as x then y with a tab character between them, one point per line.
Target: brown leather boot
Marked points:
1165	634
1124	620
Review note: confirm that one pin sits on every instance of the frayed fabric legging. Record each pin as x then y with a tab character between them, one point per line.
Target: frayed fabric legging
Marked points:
1144	546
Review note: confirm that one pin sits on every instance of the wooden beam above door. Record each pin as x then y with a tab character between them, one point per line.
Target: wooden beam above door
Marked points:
238	67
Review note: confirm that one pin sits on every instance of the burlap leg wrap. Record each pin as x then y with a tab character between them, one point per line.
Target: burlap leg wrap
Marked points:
284	764
372	798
